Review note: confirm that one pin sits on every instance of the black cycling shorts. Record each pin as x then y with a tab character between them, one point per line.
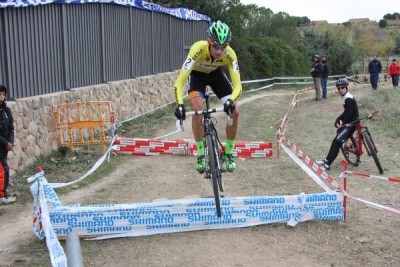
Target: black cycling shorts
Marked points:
216	79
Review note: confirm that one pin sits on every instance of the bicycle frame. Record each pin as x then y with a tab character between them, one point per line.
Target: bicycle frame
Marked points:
212	146
353	147
358	139
209	128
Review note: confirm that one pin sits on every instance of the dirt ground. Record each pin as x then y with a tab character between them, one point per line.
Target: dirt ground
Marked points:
369	237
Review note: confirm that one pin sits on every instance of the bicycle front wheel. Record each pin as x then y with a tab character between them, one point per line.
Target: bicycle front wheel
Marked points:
372	151
350	153
213	171
219	161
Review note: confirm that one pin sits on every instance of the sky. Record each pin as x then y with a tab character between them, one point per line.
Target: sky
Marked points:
334	11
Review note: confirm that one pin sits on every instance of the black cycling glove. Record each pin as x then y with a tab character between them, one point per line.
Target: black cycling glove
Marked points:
180	112
229	106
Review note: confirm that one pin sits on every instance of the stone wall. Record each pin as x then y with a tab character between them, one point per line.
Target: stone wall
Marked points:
35	125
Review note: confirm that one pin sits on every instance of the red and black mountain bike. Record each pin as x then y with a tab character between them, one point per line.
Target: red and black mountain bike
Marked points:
352	149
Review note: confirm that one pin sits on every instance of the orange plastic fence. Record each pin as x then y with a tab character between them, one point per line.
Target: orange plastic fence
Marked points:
83	123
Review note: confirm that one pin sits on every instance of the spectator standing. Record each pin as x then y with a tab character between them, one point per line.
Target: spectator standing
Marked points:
394	73
316	73
374	68
6	144
324	78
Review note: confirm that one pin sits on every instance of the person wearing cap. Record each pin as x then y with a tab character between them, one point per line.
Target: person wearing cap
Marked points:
394	72
316	73
374	68
349	114
6	144
204	67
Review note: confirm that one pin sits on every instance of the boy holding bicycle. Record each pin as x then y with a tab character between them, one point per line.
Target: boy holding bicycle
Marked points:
204	66
343	133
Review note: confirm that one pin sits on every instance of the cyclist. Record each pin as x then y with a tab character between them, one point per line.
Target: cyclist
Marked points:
350	114
204	66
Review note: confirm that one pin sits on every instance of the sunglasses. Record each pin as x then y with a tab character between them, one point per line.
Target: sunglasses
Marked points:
217	46
341	87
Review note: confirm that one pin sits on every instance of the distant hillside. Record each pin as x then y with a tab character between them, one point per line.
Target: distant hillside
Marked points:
381	34
363	34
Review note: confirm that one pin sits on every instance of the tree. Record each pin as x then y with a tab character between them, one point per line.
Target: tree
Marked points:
365	43
388	16
394	16
340	54
268	57
396	49
252	24
302	21
382	23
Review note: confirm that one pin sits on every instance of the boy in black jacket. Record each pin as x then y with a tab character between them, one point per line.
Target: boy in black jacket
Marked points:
324	79
349	114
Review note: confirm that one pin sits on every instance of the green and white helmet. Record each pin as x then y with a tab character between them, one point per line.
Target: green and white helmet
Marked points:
219	32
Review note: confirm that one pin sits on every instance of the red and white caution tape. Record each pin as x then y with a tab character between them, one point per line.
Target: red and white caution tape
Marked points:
311	163
370	176
306	169
375	205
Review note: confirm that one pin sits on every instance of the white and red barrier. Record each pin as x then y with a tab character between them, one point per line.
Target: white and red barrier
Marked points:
151	147
370	176
170	216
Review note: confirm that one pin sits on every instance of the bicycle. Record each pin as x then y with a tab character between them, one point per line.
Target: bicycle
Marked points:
352	147
214	151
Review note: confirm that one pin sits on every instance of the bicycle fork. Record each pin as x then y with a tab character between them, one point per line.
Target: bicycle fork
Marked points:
219	157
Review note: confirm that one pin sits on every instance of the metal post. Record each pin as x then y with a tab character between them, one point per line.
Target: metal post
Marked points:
74	252
345	167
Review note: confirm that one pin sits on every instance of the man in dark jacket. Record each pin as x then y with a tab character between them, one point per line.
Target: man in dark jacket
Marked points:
6	144
324	74
316	73
349	114
374	68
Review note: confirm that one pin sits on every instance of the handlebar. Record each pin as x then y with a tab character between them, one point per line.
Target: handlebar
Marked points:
209	111
204	112
373	113
369	116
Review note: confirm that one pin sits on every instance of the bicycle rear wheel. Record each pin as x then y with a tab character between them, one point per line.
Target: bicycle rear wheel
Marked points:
350	153
372	151
213	171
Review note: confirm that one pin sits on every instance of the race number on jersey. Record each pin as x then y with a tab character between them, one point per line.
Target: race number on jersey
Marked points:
235	66
187	65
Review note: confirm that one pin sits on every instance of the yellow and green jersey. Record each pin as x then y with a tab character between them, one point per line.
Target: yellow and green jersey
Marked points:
199	59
